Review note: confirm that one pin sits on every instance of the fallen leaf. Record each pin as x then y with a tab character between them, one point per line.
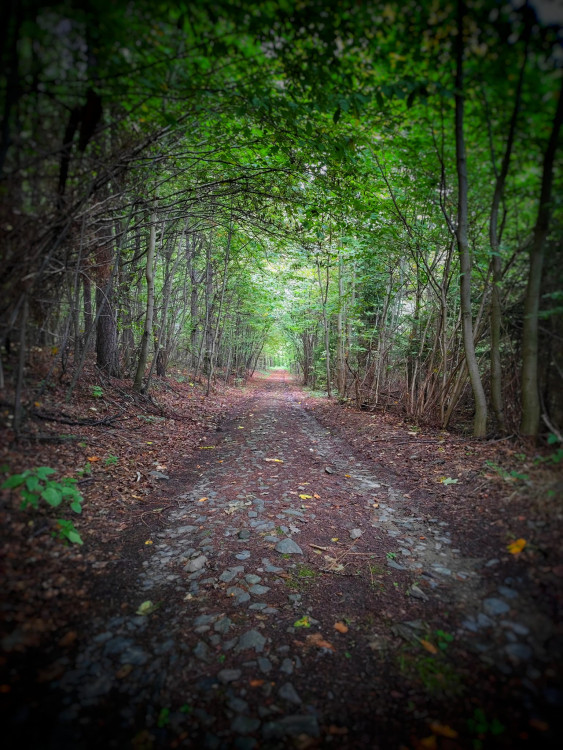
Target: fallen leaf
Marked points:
334	729
541	726
443	730
202	499
205	448
428	646
317	497
125	670
149	541
302	622
516	547
93	458
146	608
348	476
274	460
334	539
317	640
68	639
306	497
341	627
256	683
428	743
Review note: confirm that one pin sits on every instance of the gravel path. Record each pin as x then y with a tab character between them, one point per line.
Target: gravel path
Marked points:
290	597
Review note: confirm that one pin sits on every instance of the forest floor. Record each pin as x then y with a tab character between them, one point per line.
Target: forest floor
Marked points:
264	568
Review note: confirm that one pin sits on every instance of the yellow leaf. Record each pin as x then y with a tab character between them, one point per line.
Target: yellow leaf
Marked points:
334	539
317	497
516	547
443	730
149	541
93	458
202	499
241	428
341	627
347	475
149	442
428	646
428	743
274	460
302	622
37	403
306	497
206	448
124	671
146	608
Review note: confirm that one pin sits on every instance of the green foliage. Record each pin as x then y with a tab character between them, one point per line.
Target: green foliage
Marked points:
111	460
34	485
97	391
483	727
508	476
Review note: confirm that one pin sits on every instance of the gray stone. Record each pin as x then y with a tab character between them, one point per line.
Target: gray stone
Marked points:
237	705
519	651
516	627
245	725
227	576
258	589
196	564
229	675
223	625
271	539
201	651
252	639
329	470
158	475
240	595
287	666
244	534
493	606
417	593
244	743
292	726
251	578
356	533
288	547
507	592
289	693
117	645
134	655
204	620
264	665
395	565
244	555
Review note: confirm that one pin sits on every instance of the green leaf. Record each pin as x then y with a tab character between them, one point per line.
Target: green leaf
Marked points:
74	537
13	481
32	483
52	496
76	507
44	471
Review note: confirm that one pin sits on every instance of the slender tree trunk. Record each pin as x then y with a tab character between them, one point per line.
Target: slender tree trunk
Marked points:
496	308
480	419
530	422
147	332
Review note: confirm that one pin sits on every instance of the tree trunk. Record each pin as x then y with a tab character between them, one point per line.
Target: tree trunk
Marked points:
480	419
147	332
530	422
496	309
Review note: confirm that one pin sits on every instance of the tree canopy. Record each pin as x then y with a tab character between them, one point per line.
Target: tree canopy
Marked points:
368	193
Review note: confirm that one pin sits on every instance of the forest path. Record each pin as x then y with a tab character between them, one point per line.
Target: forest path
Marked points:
292	596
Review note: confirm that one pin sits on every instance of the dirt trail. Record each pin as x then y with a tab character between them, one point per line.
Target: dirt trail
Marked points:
283	535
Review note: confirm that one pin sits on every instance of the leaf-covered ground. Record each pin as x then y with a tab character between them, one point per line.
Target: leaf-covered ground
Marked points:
265	568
